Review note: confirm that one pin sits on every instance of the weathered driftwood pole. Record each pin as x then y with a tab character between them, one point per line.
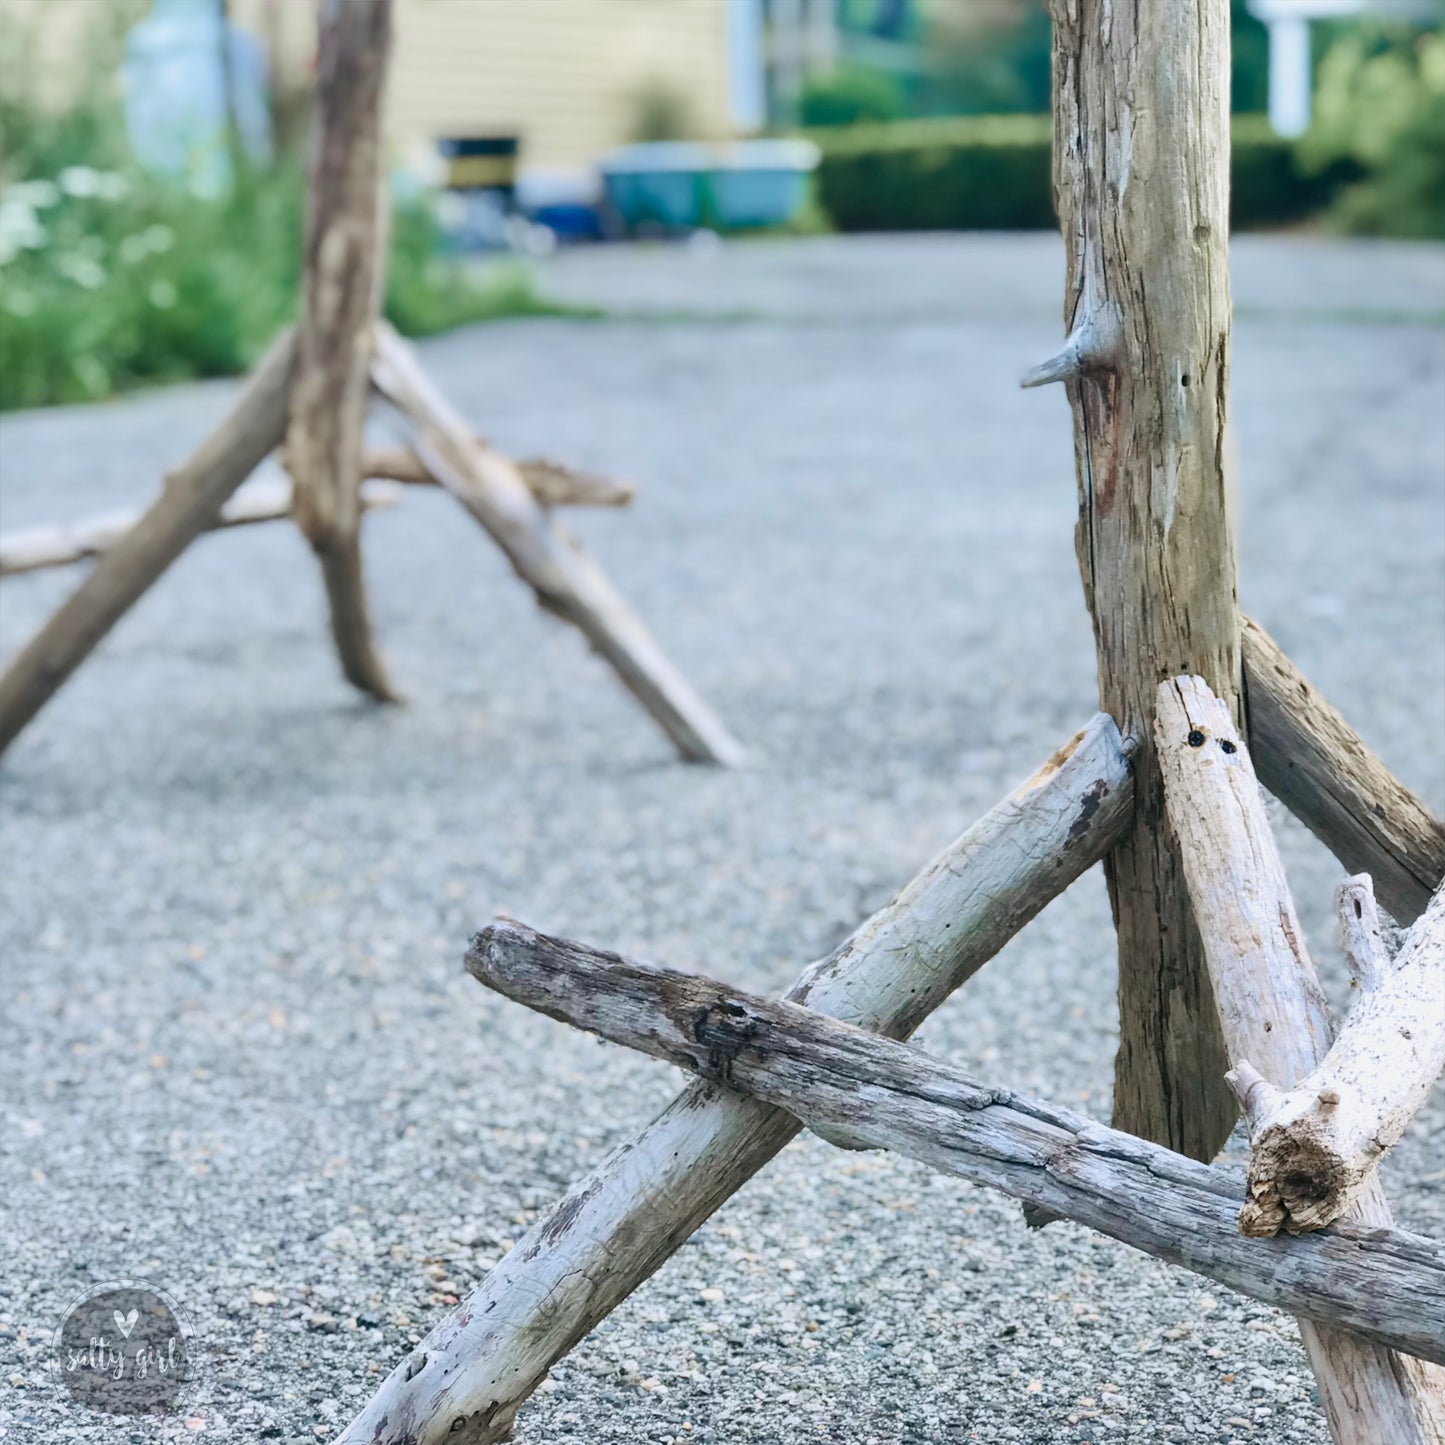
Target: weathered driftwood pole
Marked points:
343	267
566	580
872	1093
1141	181
615	1227
1273	1014
189	504
1310	758
1316	1146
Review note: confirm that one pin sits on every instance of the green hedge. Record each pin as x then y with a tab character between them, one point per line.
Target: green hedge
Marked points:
992	173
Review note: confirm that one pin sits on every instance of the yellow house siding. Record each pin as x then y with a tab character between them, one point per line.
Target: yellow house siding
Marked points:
562	74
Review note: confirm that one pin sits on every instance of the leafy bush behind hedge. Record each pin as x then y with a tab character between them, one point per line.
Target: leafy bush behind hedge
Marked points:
993	173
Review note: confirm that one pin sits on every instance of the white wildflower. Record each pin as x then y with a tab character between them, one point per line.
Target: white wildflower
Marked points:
37	195
80	181
84	270
20	229
162	294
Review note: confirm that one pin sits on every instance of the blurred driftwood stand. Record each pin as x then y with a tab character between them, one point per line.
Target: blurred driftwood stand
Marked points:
1216	989
309	397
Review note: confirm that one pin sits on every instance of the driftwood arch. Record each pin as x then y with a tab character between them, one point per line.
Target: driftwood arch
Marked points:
308	398
1162	788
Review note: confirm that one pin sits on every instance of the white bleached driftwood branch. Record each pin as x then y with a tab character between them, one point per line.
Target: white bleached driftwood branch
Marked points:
877	1094
615	1227
1316	1146
1273	1014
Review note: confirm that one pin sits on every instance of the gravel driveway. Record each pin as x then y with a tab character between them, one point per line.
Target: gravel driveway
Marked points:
241	1059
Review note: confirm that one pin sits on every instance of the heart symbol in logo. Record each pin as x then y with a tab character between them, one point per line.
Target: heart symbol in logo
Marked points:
124	1323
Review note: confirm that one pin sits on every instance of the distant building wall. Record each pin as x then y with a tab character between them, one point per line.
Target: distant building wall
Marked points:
564	75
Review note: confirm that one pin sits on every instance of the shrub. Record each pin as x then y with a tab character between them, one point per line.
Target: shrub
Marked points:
1380	113
850	95
967	173
111	280
993	173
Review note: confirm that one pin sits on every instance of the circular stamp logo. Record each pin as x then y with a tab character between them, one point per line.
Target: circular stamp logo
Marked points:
124	1348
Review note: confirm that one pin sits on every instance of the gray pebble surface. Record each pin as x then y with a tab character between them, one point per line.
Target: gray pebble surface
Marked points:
241	1058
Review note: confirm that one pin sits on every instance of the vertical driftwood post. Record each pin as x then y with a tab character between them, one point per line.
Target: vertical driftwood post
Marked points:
344	261
1141	169
1274	1015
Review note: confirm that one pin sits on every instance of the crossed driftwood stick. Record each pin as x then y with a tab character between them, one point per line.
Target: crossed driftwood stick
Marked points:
1213	974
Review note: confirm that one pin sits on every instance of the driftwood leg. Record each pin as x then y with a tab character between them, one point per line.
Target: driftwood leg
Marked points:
566	581
342	274
1315	764
1141	162
1273	1014
618	1225
189	504
31	548
1317	1146
876	1094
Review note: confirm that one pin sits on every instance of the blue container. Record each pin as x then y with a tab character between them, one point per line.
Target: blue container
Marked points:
662	184
680	185
761	183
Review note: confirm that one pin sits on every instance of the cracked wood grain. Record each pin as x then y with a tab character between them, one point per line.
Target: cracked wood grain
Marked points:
619	1224
1141	173
1384	1285
1273	1014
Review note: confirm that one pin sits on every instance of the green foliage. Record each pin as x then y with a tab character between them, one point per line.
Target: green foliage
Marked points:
850	95
993	173
110	280
967	173
1248	61
661	112
1380	109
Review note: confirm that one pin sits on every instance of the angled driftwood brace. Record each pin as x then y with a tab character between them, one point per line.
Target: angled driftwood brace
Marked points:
553	483
567	582
1314	763
1273	1014
615	1227
1141	179
28	549
188	505
1388	1286
345	251
1316	1146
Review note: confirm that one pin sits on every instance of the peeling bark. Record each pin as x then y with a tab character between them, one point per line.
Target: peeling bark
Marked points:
1318	1145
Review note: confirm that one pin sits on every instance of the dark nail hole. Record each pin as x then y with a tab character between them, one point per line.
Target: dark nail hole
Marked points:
1196	738
1184	380
1359	910
1227	746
